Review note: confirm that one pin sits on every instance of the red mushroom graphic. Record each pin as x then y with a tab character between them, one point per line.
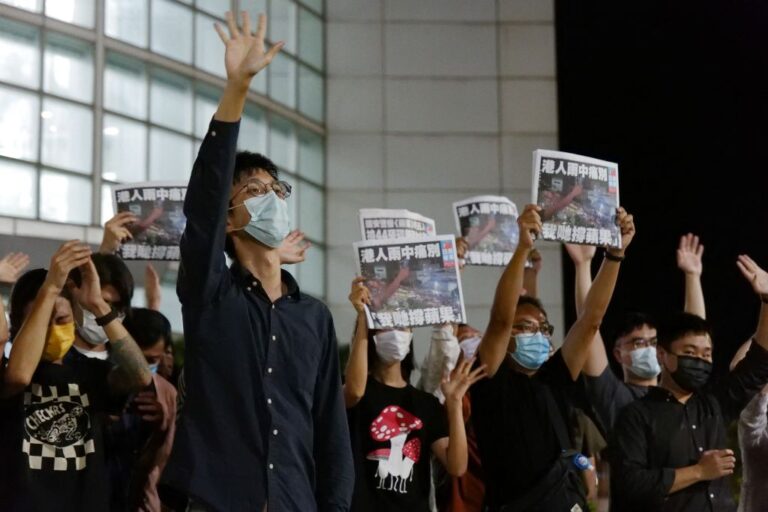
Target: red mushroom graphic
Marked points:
411	454
393	425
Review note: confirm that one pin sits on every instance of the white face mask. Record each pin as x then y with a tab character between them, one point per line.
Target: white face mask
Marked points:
392	346
102	355
469	346
91	332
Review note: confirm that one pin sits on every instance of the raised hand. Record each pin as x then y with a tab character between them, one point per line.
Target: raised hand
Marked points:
530	225
69	256
152	289
756	276
580	254
462	377
245	53
293	248
116	232
626	223
689	255
12	265
89	292
360	295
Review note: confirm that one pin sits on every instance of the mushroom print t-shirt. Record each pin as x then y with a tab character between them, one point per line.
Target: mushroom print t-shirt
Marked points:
392	431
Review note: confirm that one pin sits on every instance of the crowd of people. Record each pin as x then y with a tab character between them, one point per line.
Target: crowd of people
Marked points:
94	416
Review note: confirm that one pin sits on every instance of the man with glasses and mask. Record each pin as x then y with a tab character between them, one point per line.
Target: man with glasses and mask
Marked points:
264	424
521	413
634	346
668	449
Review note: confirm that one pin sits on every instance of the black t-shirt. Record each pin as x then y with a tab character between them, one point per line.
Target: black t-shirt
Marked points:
55	445
512	418
392	431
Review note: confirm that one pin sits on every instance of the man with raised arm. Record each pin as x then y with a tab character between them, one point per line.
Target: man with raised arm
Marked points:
263	424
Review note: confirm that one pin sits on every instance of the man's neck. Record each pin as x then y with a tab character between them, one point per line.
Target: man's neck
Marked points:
81	343
634	380
389	375
670	385
264	264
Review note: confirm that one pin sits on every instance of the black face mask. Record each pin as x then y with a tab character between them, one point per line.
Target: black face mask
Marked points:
692	373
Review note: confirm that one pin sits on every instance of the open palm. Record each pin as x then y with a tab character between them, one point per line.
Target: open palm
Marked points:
756	276
245	55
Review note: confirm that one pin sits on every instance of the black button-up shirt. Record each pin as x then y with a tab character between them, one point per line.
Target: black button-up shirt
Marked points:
657	434
264	421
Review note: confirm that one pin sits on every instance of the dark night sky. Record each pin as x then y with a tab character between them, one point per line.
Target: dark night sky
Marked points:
677	93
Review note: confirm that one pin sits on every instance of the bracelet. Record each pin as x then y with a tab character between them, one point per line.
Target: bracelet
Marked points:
613	257
104	320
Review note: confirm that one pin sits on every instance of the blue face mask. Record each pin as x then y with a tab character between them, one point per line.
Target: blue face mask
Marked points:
532	350
270	222
644	363
153	368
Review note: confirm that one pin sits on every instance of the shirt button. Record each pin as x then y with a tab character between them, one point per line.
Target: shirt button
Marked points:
271	466
273	306
255	283
712	496
701	449
274	432
213	133
693	427
274	338
269	401
248	288
269	370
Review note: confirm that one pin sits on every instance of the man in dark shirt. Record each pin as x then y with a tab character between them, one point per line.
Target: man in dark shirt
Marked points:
668	449
263	423
521	412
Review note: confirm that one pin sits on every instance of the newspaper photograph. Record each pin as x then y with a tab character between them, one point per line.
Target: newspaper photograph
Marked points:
388	224
160	209
413	282
489	225
578	196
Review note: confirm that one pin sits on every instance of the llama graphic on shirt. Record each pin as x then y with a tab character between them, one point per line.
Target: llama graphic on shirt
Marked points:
396	463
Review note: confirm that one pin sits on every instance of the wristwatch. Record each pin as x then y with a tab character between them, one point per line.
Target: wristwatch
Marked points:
104	320
613	257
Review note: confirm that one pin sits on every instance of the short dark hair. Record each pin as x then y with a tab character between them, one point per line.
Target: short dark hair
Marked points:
527	300
631	321
678	326
406	365
113	271
147	327
24	293
246	163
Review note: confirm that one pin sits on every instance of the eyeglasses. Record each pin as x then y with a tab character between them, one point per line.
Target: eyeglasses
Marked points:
256	187
637	343
544	328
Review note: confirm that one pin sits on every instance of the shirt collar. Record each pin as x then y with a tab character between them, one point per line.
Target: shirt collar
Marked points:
253	283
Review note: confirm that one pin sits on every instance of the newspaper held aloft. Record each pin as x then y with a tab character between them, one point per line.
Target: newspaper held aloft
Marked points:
578	196
160	210
388	224
489	225
413	282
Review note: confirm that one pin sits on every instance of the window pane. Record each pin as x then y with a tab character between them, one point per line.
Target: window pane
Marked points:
311	38
171	101
259	82
68	68
254	8
282	23
311	156
312	211
216	7
125	86
17	195
170	156
282	143
282	80
30	5
127	20
79	12
206	103
107	208
67	135
19	122
124	150
253	130
19	54
172	30
311	276
311	93
65	198
209	50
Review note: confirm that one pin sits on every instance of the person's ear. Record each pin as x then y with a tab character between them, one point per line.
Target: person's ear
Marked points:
617	355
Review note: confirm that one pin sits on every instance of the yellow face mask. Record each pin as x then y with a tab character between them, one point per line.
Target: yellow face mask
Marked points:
60	339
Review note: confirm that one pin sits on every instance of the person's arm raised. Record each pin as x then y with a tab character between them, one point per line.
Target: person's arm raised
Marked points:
493	347
689	255
356	373
577	342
